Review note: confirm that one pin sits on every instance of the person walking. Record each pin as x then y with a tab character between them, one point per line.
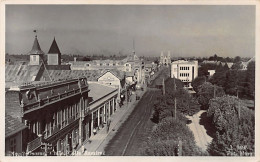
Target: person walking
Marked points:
108	124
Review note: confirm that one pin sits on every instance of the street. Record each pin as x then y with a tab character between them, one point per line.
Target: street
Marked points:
128	139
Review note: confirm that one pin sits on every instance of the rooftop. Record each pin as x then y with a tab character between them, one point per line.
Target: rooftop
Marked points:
12	125
18	73
36	49
54	48
184	62
98	90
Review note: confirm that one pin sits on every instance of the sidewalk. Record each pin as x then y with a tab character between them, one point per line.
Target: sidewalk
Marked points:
97	143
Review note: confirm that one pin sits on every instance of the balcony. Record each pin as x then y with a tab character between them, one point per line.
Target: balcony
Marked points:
34	144
52	99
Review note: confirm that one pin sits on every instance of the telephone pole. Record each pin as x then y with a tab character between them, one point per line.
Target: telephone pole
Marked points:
175	102
214	90
163	87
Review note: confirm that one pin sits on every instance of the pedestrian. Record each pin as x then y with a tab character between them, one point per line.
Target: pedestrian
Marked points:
108	124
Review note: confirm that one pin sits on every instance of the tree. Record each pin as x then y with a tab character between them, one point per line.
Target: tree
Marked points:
237	66
235	127
237	59
197	82
235	82
208	91
166	136
250	79
86	59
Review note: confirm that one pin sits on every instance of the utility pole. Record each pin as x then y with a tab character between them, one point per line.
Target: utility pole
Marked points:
214	90
175	102
163	87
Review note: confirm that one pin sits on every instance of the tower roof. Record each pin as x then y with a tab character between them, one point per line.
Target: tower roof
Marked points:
54	48
36	49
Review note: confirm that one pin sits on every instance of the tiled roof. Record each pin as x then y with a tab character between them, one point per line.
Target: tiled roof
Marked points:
91	75
36	49
12	125
54	48
98	90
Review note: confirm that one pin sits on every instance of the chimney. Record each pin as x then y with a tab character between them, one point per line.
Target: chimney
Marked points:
75	59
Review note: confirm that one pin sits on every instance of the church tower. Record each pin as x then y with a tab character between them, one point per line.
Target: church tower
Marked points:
54	54
36	54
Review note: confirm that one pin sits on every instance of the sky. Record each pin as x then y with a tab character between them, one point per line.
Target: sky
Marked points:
185	30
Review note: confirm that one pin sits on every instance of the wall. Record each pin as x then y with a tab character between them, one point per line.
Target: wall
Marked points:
18	143
53	59
36	61
109	79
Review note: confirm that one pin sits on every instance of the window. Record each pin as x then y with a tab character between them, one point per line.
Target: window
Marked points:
34	58
13	144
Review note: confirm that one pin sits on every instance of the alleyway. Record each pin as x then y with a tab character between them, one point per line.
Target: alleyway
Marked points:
202	138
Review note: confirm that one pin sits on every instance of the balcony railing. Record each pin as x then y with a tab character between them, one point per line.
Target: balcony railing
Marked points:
34	144
51	99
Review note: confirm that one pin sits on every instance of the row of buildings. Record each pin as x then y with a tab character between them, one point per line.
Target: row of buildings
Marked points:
52	108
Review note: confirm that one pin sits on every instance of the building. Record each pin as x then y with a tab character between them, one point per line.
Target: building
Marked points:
186	71
112	79
54	54
245	64
36	54
15	136
211	72
103	102
165	59
55	113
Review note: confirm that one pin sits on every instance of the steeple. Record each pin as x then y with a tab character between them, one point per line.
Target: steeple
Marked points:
36	49
54	49
54	54
133	47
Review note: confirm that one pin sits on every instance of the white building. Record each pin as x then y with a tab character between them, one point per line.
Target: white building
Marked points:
186	71
211	72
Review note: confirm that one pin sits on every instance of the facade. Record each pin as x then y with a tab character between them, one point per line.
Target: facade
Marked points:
165	59
56	118
36	54
55	113
103	102
186	71
15	136
109	78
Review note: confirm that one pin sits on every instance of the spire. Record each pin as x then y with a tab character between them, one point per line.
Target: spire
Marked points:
54	49
133	46
36	49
